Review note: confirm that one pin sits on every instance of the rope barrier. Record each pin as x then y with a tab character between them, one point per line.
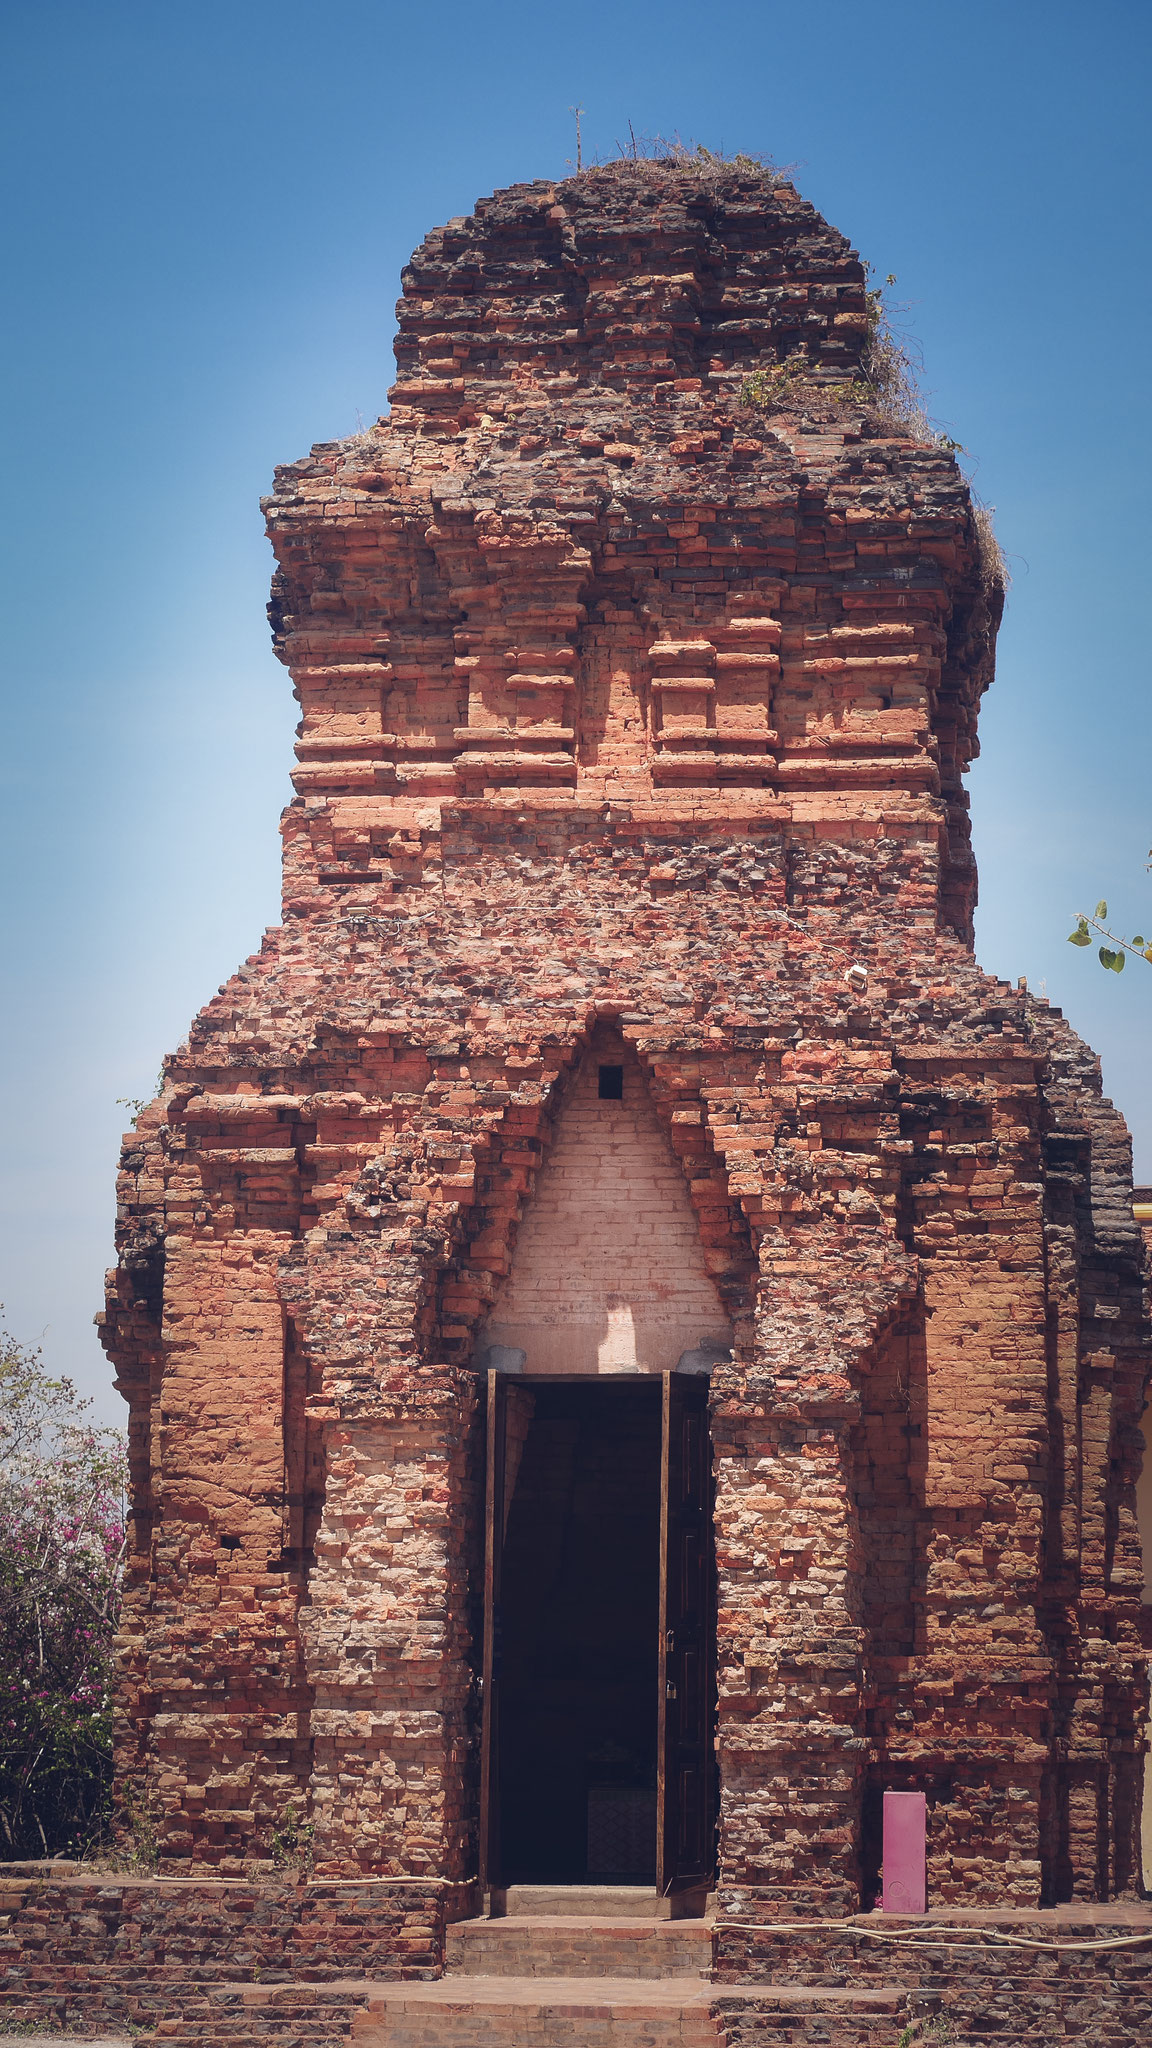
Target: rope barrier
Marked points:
896	1937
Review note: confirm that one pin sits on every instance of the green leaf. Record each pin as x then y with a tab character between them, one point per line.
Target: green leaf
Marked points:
1080	937
1138	940
1101	908
1113	960
1118	963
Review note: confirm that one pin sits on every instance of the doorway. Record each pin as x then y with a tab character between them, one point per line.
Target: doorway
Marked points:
599	1633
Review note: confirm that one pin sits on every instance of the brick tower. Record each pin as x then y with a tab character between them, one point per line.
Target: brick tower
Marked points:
620	1091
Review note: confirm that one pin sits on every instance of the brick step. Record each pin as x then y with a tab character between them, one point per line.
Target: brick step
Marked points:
594	1902
807	2016
508	2012
840	2030
540	2012
296	2018
30	2040
568	1946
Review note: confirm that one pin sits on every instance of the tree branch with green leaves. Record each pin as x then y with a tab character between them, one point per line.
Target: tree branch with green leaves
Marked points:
1115	953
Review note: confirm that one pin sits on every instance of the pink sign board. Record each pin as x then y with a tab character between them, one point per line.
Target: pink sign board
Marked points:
905	1852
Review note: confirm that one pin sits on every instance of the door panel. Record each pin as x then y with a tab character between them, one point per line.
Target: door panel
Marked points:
686	1771
510	1408
495	1518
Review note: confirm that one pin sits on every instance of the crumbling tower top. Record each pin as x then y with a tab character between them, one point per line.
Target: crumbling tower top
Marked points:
625	277
638	535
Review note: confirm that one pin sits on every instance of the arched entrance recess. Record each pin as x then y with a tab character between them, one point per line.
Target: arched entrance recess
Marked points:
598	1759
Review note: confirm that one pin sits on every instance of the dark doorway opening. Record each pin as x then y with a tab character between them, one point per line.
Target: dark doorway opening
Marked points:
578	1636
598	1652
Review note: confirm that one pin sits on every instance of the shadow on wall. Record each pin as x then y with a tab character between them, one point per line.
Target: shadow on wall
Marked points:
621	1348
890	1459
890	1477
889	1469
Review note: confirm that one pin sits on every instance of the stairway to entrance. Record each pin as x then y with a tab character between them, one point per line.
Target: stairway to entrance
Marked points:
612	1970
206	1965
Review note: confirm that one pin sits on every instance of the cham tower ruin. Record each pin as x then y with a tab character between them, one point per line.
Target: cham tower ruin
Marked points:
634	1343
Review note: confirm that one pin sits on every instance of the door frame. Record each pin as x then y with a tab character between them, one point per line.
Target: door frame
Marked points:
495	1440
686	1682
669	1657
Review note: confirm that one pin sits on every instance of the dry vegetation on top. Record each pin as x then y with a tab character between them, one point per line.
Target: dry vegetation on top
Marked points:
656	155
886	389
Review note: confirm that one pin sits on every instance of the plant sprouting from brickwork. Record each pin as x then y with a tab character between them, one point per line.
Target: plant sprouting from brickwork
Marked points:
887	391
129	1843
62	1484
293	1844
995	575
933	2031
892	366
887	385
790	386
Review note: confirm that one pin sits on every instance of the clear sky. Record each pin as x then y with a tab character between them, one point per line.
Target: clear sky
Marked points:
207	209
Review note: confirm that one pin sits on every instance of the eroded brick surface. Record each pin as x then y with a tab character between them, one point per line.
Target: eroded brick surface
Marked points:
187	1961
635	715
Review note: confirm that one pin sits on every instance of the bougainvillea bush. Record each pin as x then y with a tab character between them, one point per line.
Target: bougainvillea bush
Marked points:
61	1561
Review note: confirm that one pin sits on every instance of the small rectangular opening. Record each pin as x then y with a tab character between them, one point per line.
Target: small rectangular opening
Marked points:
611	1084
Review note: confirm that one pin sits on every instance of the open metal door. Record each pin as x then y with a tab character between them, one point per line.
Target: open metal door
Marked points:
509	1414
685	1809
494	1519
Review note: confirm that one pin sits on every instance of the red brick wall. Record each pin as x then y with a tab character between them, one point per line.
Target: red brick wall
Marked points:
608	1271
633	706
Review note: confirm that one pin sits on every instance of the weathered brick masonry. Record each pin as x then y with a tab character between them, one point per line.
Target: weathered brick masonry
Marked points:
634	717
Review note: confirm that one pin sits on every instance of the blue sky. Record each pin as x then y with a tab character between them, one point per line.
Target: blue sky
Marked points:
207	209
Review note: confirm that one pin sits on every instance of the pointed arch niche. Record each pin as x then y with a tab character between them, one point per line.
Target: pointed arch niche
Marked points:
608	1272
